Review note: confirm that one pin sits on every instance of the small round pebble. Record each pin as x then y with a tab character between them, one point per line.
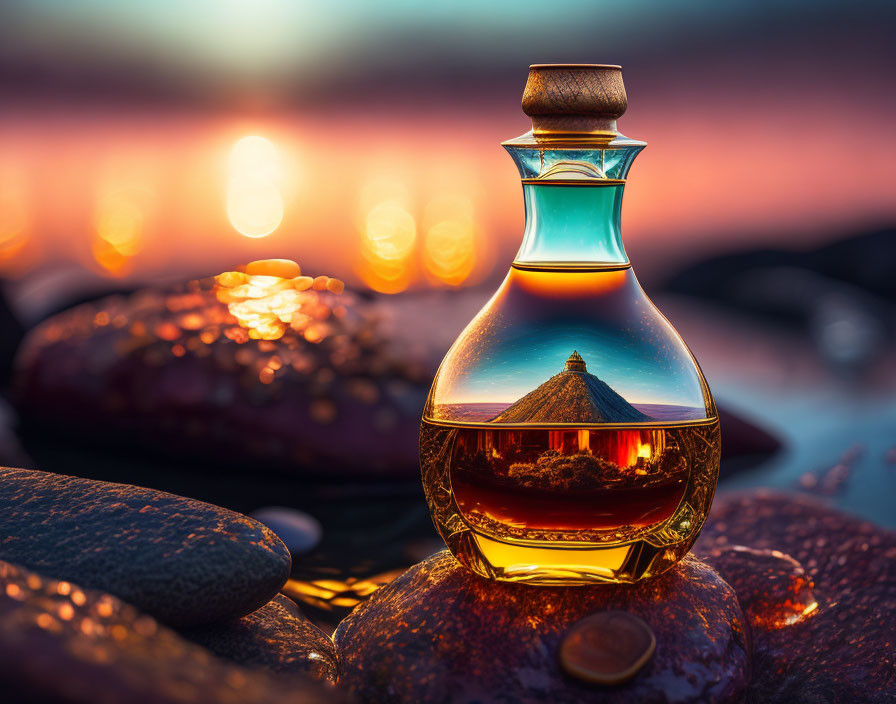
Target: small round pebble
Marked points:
302	283
335	286
284	268
607	648
300	532
320	283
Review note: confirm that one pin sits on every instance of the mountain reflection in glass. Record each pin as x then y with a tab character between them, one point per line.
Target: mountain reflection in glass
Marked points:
569	436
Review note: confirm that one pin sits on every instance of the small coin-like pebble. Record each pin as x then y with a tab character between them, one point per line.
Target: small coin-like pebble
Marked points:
299	532
284	268
320	283
335	286
608	647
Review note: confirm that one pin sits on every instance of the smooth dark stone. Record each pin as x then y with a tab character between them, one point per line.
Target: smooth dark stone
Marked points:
157	369
277	637
64	644
181	560
439	633
744	438
862	260
843	650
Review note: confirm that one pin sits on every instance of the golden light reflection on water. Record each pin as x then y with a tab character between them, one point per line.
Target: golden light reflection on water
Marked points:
327	594
254	201
267	305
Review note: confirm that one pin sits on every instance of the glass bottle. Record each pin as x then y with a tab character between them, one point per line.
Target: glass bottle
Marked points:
569	436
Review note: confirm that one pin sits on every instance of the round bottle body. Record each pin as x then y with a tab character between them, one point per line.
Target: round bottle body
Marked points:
569	437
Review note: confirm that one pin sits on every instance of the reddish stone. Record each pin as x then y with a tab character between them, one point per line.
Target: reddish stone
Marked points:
64	644
439	633
843	650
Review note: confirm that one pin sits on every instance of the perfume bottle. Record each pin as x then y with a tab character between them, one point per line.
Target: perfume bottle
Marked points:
569	436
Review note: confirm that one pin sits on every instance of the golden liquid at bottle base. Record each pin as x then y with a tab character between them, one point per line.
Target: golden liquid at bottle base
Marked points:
560	504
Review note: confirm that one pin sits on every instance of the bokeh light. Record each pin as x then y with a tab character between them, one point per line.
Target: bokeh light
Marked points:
254	201
449	244
14	215
119	221
388	237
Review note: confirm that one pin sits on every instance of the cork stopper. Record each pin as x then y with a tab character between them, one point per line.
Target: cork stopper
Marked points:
574	99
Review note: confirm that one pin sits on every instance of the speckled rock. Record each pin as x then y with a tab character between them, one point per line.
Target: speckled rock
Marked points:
842	651
64	644
183	561
278	637
173	371
439	633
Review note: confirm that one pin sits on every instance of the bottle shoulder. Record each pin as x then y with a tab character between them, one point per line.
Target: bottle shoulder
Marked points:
635	366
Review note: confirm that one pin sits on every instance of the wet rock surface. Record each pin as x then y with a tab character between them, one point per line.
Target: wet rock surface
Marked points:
277	637
842	651
183	561
175	372
438	633
62	643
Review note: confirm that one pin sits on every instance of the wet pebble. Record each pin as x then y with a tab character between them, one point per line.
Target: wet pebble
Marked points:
299	531
283	268
607	648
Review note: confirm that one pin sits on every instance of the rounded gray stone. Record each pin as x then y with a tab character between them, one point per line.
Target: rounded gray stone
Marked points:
183	561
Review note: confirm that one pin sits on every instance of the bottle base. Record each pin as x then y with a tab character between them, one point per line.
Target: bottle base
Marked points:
545	566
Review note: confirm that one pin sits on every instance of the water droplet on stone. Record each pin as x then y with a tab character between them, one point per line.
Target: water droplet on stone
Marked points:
773	589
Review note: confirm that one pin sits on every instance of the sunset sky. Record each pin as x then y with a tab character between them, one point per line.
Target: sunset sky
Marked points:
124	152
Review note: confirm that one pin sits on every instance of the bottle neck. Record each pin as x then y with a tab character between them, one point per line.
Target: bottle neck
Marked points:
573	195
572	226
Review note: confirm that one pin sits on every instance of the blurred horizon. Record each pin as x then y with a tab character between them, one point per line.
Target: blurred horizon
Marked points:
125	124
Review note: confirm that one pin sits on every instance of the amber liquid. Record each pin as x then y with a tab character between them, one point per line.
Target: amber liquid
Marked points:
566	504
